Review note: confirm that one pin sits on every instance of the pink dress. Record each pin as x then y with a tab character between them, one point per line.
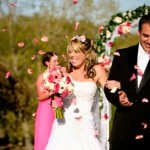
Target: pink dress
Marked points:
43	124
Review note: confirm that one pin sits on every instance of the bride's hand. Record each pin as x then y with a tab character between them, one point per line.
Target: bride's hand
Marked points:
54	105
110	84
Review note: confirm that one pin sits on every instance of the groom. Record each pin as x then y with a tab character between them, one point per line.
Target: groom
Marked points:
131	67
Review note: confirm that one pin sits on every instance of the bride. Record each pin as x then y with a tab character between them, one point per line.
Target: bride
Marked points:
79	129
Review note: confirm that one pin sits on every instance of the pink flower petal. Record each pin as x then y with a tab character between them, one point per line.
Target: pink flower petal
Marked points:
33	57
101	28
34	114
36	40
133	77
64	57
139	137
145	100
21	44
144	125
76	26
30	71
5	30
66	37
41	52
139	71
44	39
75	1
117	53
7	74
13	4
136	66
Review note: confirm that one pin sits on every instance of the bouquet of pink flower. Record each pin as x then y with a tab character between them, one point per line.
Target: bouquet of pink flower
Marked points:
58	83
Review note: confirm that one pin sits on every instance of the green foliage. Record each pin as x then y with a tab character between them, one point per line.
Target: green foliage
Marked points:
108	33
14	103
124	40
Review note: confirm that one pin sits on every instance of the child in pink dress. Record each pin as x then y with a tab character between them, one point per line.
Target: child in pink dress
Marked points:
44	114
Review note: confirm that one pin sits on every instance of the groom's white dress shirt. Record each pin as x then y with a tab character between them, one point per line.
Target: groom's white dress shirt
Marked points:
142	61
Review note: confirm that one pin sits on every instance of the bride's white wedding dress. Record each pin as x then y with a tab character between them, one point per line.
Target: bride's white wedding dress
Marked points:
77	131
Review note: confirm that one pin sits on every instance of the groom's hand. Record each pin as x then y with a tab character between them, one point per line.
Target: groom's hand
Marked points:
124	101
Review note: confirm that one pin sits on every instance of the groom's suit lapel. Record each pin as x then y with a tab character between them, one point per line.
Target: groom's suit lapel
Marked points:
132	61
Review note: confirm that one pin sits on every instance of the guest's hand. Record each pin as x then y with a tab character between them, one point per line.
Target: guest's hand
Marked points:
124	101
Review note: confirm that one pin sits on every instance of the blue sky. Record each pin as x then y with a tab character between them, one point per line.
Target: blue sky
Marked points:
124	5
132	4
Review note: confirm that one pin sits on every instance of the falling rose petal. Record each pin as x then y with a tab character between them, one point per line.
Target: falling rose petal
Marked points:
33	57
7	74
5	30
64	57
41	52
34	114
140	72
117	53
144	125
76	26
21	44
101	28
66	37
113	90
75	1
13	4
145	100
106	116
133	77
139	137
136	66
36	40
55	56
30	71
44	39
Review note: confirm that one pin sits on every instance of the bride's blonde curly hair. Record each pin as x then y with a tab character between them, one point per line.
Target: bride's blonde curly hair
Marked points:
88	47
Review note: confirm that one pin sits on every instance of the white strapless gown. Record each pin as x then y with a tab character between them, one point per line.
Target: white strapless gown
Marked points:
77	131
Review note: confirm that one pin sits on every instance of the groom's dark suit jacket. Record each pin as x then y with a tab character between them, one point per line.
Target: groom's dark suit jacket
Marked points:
128	121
